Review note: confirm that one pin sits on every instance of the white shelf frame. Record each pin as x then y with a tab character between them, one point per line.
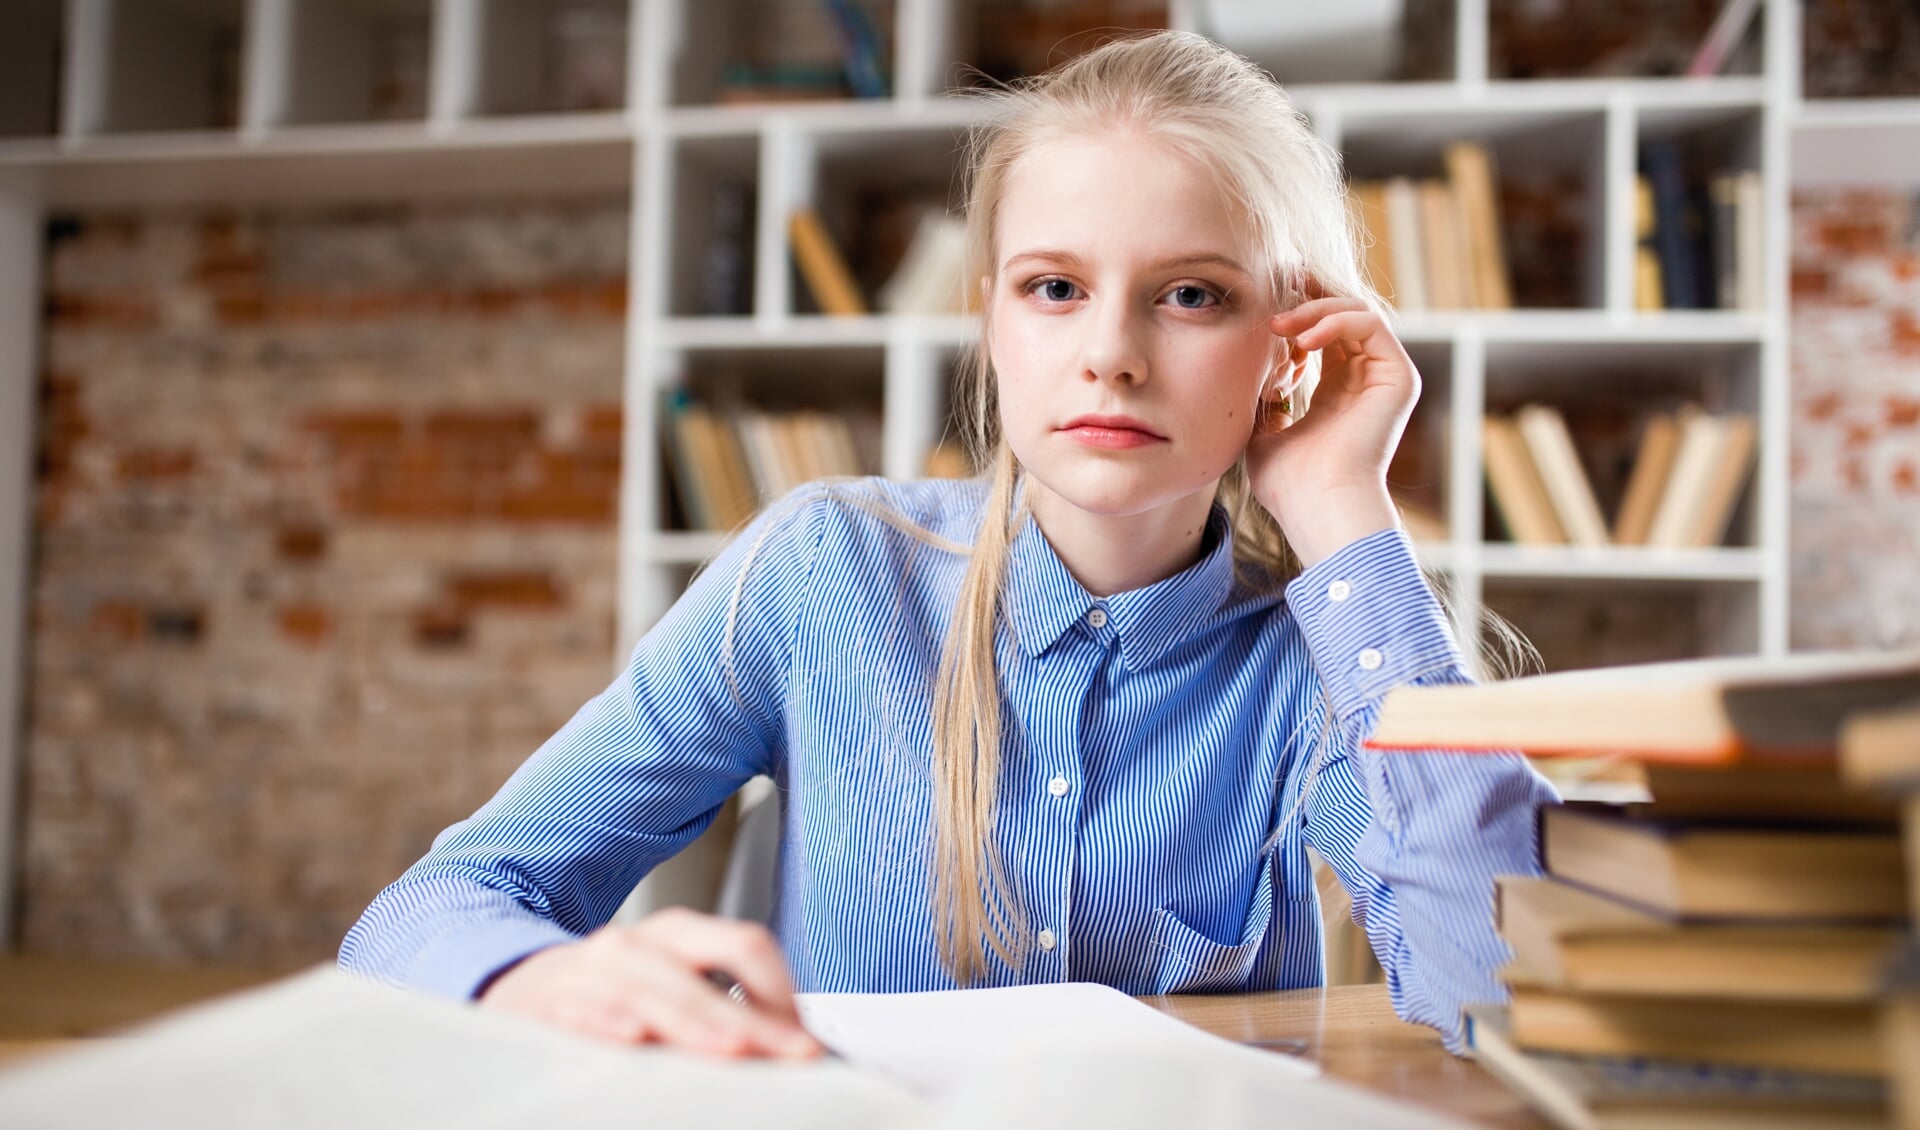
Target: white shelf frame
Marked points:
457	150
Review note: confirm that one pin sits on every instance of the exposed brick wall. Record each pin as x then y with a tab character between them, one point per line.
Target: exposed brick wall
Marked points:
1856	419
326	547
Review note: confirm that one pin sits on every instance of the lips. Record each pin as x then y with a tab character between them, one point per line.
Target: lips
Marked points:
1111	424
1111	433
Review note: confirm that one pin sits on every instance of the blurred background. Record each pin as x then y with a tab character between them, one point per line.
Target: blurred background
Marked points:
373	372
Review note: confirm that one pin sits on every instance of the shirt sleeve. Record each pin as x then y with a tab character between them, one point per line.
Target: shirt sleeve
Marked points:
1416	837
636	774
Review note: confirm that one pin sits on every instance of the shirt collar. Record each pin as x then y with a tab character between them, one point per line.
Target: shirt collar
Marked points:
1045	601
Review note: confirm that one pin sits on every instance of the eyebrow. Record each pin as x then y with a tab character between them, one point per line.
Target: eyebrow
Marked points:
1068	257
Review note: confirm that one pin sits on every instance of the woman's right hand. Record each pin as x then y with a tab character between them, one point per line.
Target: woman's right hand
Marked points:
647	983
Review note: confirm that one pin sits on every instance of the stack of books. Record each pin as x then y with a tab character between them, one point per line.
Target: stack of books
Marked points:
1715	951
1687	477
726	465
1435	244
1880	750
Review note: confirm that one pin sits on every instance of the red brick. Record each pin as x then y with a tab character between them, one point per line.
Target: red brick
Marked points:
603	422
122	620
1905	267
505	589
371	428
156	464
1905	329
1905	479
495	427
441	627
307	624
300	542
1854	235
1903	411
1811	282
94	311
1823	407
1859	435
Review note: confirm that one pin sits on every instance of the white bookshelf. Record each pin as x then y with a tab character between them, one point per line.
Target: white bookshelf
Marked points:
130	125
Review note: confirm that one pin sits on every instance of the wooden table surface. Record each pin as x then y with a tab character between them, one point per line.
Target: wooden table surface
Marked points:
1352	1033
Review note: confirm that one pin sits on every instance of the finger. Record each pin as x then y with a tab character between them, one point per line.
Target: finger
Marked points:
743	949
678	998
1358	328
1308	312
684	1008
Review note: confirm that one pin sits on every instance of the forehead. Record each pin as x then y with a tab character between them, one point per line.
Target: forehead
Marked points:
1117	197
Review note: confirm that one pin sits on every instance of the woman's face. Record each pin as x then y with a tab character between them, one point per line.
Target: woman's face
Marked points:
1124	290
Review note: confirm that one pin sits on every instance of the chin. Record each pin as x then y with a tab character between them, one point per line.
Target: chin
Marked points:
1108	491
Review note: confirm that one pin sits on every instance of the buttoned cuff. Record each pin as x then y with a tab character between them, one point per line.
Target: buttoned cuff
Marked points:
1370	620
467	957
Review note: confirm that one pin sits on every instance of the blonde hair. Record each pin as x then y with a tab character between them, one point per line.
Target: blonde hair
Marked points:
1231	118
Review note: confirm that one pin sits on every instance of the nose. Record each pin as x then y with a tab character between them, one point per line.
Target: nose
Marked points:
1113	346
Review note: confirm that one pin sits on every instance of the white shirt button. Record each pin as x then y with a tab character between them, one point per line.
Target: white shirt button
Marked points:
1058	786
1339	591
1371	659
1046	940
1097	617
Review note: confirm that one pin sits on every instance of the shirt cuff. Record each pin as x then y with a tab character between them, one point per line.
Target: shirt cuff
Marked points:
466	958
1370	620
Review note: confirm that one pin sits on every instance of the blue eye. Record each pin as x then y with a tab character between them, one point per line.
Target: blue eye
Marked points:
1198	294
1057	290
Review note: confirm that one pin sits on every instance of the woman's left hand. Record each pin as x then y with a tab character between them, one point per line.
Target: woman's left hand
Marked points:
1322	473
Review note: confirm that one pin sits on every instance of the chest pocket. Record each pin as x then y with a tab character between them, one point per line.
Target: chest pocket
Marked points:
1188	961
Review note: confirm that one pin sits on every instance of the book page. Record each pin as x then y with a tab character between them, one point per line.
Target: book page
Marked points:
1081	1054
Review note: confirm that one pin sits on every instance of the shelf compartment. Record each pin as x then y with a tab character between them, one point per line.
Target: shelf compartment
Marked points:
358	61
1608	391
1419	46
846	384
777	52
1549	171
1573	624
713	199
1693	159
31	70
1527	40
996	41
141	66
550	57
870	190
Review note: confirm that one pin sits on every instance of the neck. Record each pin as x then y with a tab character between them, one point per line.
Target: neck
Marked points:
1111	554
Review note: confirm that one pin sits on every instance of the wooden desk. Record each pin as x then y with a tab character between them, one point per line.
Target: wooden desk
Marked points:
1352	1033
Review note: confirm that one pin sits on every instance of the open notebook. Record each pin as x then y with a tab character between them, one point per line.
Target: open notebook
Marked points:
324	1049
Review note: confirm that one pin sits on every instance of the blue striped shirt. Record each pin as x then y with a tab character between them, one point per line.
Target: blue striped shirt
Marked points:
1156	747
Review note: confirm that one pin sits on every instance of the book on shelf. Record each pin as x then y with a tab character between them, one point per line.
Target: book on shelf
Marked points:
1676	235
1647	292
1711	465
930	278
1633	1092
1703	711
822	265
1729	26
1368	202
1652	465
1435	243
1550	446
1519	491
861	54
1569	938
1711	869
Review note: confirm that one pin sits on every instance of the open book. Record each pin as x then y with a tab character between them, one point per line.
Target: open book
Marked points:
326	1049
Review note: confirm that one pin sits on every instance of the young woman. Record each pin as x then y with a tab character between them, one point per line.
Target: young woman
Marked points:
1078	718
